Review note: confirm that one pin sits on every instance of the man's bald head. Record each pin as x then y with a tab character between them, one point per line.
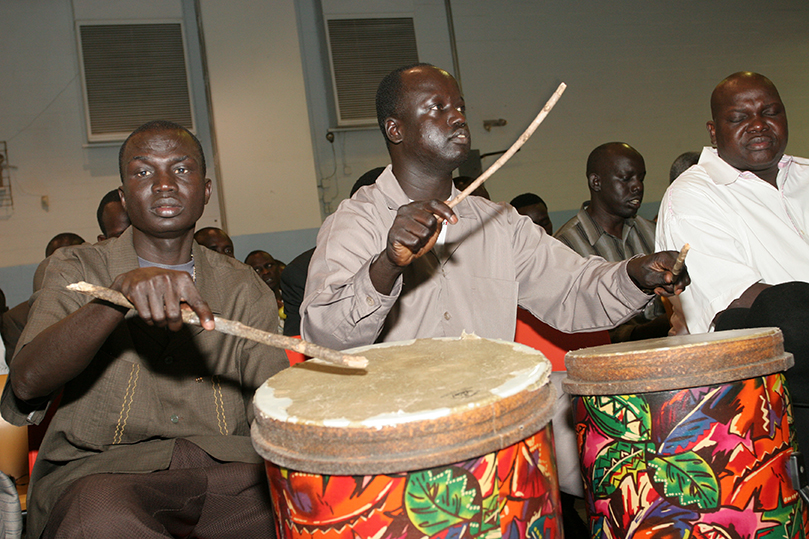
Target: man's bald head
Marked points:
215	239
603	157
65	239
732	84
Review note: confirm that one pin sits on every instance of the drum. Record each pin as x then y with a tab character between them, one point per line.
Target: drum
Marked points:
444	438
687	436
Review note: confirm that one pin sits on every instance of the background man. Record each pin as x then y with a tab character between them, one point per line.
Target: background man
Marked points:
681	163
63	239
744	209
608	225
534	207
269	269
151	438
215	239
111	215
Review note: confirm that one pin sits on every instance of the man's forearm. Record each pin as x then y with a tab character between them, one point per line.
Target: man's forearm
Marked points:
384	273
62	351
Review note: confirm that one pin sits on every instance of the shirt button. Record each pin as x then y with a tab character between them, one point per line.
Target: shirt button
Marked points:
447	316
369	300
174	418
169	360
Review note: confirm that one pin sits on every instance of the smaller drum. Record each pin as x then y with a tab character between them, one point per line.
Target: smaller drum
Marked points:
444	438
687	436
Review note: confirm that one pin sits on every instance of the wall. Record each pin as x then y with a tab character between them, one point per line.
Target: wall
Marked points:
260	117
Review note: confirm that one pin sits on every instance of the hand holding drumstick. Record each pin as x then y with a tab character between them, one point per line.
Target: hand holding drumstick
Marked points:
237	329
664	272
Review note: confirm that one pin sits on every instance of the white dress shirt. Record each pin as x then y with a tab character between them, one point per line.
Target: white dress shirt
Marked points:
741	229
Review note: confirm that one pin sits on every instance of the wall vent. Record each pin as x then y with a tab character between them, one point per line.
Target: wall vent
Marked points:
132	74
362	51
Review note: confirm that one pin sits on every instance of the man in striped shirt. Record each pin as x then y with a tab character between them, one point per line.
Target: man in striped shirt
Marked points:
608	225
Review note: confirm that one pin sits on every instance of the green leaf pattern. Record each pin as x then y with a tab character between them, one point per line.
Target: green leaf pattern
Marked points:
439	499
615	461
687	478
626	417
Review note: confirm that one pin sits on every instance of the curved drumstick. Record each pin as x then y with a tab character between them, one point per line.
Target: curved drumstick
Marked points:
237	329
514	147
680	262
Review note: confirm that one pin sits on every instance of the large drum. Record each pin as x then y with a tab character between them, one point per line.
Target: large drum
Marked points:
687	437
445	438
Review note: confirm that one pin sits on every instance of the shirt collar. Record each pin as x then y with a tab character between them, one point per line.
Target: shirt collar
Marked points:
593	230
396	197
724	174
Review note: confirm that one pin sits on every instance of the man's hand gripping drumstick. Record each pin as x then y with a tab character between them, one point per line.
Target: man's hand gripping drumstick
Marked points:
663	273
230	327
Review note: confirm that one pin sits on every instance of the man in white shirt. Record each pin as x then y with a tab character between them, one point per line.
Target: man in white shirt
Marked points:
744	209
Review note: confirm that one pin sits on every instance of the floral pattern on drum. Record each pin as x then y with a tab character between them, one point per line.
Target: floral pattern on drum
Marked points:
511	493
707	462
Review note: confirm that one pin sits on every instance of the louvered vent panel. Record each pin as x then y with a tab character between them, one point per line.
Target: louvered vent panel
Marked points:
364	51
134	73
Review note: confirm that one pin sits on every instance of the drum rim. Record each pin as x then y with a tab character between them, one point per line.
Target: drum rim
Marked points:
694	361
393	449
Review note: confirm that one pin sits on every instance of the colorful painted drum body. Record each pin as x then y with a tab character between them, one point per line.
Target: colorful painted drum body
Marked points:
444	438
687	437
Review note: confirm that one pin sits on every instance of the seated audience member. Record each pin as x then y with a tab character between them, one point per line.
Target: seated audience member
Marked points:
3	309
293	284
16	317
293	277
65	239
152	436
608	226
111	215
269	269
215	239
386	268
744	210
674	308
534	207
462	182
681	163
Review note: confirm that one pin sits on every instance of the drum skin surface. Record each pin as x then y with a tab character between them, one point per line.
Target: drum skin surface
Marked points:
697	461
439	438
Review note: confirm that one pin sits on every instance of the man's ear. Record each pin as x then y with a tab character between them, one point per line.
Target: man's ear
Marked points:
121	194
208	189
393	130
711	131
594	182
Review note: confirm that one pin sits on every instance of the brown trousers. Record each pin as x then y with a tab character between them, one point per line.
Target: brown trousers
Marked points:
196	497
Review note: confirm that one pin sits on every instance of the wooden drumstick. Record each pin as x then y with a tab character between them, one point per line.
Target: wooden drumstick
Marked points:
680	262
237	329
514	147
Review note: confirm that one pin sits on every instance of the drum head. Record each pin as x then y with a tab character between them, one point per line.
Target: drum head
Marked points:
418	404
676	362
